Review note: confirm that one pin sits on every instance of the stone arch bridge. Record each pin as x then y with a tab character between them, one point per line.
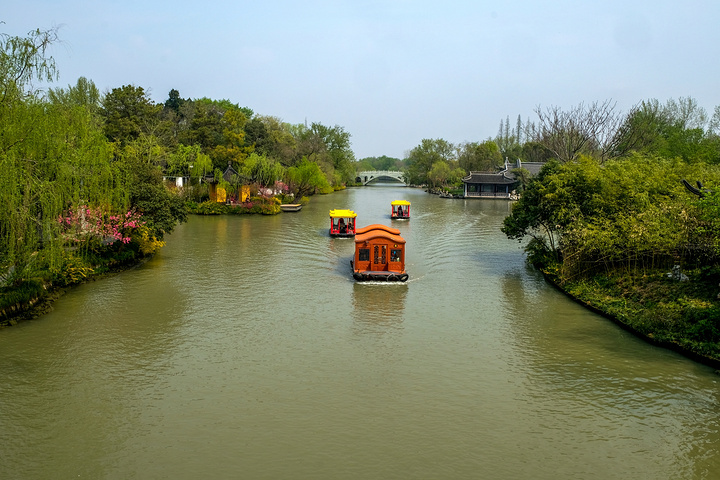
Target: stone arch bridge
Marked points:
377	176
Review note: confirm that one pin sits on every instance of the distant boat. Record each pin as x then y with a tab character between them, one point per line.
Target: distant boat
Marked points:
291	207
400	209
379	254
342	223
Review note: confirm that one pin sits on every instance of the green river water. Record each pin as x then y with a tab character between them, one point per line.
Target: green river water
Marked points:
245	349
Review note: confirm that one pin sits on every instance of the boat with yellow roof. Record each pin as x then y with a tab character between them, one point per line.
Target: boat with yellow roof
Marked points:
400	209
342	223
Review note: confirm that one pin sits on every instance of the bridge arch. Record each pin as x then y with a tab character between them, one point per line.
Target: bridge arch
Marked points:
375	176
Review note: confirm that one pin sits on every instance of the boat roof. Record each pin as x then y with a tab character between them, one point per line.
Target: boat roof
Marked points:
342	213
377	226
400	202
372	234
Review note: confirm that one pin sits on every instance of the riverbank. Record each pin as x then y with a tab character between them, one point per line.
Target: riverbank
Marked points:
40	302
682	316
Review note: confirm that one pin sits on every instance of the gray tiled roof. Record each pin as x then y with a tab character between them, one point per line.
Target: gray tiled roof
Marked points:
494	178
505	176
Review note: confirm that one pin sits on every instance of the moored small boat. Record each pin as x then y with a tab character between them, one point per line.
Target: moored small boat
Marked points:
291	207
379	255
342	223
400	209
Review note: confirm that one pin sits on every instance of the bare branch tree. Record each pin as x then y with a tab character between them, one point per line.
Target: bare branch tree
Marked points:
583	129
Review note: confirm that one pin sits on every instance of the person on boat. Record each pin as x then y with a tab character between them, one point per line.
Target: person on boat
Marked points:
399	212
341	226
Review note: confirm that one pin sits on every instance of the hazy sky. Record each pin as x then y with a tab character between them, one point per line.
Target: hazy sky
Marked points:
390	72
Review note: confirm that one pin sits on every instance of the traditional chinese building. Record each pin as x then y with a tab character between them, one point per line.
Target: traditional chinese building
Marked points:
237	192
500	184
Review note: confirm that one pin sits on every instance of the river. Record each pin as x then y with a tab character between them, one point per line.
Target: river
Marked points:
245	349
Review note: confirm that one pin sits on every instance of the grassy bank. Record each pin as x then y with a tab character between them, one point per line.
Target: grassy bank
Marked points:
680	315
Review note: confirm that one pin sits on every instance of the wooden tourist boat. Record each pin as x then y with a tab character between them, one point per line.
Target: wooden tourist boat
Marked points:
400	209
377	226
342	223
379	254
291	207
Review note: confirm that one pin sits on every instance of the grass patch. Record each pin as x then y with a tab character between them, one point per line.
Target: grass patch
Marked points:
683	313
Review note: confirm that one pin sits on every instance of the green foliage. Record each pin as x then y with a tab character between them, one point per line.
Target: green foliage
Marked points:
231	147
23	59
174	101
686	314
329	148
83	94
307	179
16	299
480	157
383	163
438	174
188	160
256	205
273	138
262	170
73	270
128	112
162	209
424	156
630	213
509	140
208	208
51	156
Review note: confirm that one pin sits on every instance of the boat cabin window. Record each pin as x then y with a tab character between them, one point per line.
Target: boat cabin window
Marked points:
395	255
364	255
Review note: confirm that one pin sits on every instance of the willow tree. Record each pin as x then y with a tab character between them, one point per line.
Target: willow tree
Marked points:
263	170
22	60
53	156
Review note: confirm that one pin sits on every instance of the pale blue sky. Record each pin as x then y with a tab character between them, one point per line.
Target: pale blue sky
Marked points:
389	72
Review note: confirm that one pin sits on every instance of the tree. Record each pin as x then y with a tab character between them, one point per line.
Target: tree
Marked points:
52	156
262	170
306	178
174	101
479	157
559	197
83	94
509	141
630	213
330	148
278	141
23	59
202	125
535	152
188	160
686	113
421	158
162	209
232	147
128	112
439	174
589	130
714	126
380	163
642	129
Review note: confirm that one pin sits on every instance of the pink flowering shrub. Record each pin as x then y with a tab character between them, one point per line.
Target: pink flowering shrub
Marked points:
91	225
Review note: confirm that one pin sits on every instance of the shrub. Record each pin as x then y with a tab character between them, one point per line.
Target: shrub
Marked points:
73	270
148	243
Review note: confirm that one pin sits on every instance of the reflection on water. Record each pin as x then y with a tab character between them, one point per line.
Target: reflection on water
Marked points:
379	305
245	348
